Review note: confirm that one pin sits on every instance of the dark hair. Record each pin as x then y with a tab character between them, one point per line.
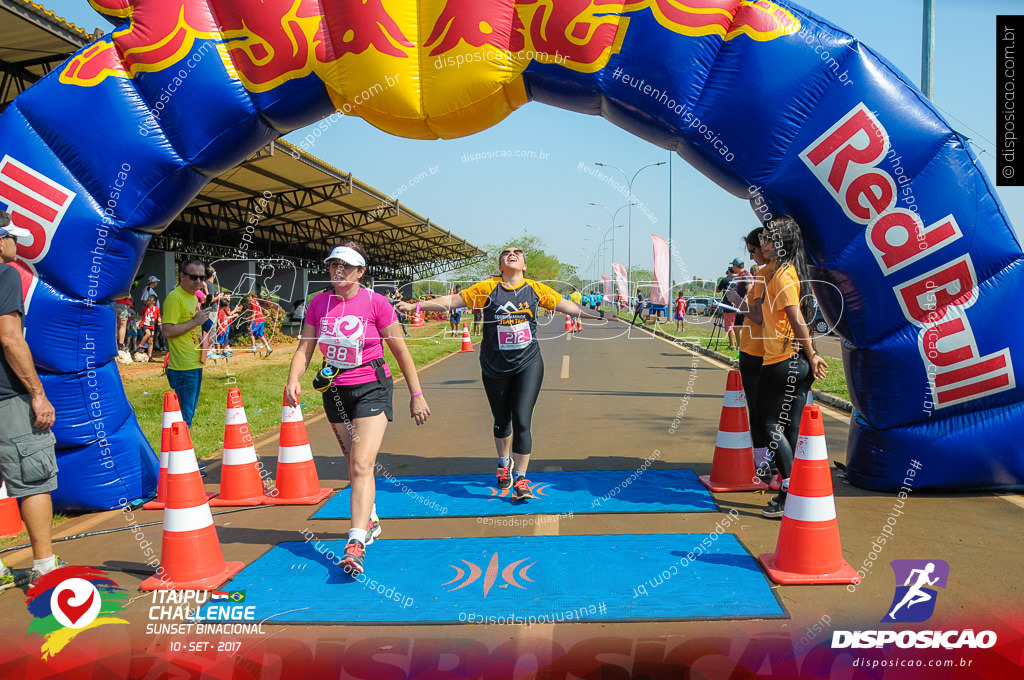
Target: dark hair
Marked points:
210	272
300	301
188	262
5	218
753	239
224	302
789	249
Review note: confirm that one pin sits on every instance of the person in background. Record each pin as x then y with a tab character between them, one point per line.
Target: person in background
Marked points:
638	307
182	325
28	462
224	319
299	310
123	309
680	312
150	324
735	292
455	315
577	297
257	322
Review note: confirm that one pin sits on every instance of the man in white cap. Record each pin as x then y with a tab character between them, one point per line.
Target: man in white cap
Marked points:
28	463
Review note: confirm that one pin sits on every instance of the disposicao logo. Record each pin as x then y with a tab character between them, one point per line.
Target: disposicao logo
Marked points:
914	601
67	601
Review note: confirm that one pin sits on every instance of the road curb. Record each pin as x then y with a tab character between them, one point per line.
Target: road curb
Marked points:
832	400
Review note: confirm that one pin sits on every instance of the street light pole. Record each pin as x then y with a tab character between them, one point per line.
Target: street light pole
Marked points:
613	216
928	48
629	221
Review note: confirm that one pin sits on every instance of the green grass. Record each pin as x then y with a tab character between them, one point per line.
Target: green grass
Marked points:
699	331
261	382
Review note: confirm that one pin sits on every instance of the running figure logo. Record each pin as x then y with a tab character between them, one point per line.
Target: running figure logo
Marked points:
914	601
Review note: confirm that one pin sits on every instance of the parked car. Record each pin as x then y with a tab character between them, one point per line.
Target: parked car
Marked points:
819	326
698	305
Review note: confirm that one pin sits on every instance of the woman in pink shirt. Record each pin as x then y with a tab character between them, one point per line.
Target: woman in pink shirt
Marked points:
350	325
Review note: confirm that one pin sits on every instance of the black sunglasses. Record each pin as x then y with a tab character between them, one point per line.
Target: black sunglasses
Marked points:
12	237
511	251
195	277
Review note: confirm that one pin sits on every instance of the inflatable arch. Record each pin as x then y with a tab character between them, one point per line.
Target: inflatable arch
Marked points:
770	101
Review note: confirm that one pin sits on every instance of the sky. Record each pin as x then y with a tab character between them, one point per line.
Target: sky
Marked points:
489	200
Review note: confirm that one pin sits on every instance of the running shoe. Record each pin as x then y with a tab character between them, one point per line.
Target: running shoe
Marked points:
270	351
34	575
505	475
6	579
352	562
522	488
229	354
775	508
373	530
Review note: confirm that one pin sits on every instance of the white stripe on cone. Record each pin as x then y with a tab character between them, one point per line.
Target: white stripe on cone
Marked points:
810	508
187	519
733	440
811	448
235	416
290	414
182	462
171	417
294	454
242	456
3	490
734	399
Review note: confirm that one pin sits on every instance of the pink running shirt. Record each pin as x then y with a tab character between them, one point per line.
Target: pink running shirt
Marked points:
349	332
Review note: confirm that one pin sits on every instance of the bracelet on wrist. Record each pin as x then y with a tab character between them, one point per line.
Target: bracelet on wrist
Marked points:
416	394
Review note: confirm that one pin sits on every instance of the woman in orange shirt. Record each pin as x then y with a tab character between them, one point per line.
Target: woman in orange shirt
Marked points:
751	343
790	362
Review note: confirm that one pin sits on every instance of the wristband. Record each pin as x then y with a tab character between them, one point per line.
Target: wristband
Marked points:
416	394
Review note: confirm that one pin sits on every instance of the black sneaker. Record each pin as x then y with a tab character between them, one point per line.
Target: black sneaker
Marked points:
776	507
505	475
352	562
522	488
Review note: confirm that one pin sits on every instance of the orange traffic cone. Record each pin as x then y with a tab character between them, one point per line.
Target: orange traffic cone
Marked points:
190	557
297	481
808	549
418	317
732	468
172	414
568	323
240	481
776	482
10	516
467	343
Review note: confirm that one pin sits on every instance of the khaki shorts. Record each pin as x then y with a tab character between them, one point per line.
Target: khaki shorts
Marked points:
28	463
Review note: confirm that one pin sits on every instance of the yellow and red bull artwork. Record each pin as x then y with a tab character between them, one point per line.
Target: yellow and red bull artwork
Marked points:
773	103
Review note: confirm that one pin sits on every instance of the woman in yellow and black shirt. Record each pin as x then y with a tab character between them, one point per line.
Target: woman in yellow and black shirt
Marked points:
510	356
790	362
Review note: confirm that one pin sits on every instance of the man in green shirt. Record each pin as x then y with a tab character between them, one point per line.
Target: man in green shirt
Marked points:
182	325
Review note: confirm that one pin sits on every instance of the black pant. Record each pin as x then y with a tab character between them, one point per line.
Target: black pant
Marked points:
781	394
750	370
512	398
639	312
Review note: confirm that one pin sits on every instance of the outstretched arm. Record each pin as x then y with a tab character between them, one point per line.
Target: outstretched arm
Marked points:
441	304
567	306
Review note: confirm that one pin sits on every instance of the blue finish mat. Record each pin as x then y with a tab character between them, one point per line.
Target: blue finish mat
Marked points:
510	580
555	493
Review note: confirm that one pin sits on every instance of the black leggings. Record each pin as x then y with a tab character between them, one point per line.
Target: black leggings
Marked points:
781	394
512	398
750	370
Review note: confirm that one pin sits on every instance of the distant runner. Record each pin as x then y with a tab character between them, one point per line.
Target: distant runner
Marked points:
510	356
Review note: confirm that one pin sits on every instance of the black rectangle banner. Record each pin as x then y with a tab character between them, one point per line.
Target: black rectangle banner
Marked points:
1009	72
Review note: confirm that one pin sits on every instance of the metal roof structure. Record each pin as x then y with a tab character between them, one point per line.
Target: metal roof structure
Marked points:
287	202
34	41
294	205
